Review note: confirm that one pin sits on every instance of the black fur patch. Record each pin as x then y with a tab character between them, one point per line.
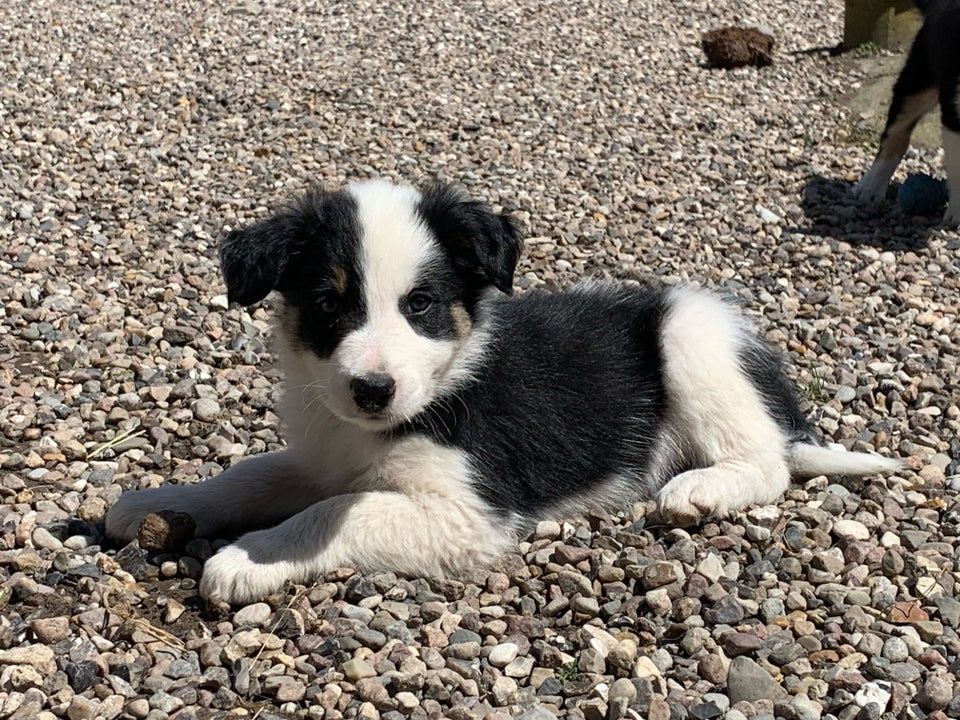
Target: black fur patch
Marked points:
933	62
570	396
764	367
483	245
309	253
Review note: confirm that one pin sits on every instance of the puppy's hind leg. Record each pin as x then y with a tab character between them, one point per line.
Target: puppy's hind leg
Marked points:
914	94
716	412
256	492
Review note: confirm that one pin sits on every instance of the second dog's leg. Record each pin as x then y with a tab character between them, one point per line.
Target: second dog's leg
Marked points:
914	95
950	109
255	492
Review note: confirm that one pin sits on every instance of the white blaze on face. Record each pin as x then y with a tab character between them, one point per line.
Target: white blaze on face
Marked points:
395	248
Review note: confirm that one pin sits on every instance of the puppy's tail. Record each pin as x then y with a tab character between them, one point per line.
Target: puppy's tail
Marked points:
808	460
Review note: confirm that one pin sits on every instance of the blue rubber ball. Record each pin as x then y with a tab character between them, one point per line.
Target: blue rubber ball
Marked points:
923	195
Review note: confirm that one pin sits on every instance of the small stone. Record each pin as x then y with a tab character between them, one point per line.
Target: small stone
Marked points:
206	409
254	615
895	649
504	691
81	675
591	661
622	688
936	693
463	651
589	606
503	654
740	643
51	630
358	669
658	574
949	609
81	708
593	709
406	702
623	655
572	554
726	611
659	601
38	656
876	692
519	668
372	690
712	668
547	530
645	668
850	530
138	708
746	680
804	709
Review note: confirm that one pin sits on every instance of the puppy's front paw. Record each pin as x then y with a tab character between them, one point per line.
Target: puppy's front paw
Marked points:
245	571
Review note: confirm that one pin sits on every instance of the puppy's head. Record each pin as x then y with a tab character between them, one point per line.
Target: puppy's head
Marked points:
382	286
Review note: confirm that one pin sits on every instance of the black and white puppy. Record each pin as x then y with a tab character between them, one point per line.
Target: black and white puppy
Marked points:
430	417
930	75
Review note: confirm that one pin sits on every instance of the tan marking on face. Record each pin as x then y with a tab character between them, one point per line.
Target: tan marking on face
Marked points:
461	321
338	276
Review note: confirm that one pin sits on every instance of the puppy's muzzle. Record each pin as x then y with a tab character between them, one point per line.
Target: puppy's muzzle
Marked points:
373	393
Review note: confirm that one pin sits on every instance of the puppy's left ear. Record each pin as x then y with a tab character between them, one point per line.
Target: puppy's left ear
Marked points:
481	242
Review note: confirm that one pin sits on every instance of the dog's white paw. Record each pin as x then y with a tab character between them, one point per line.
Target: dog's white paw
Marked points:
245	571
690	497
870	189
951	218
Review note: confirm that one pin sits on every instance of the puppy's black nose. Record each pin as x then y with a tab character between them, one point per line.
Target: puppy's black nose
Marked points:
373	392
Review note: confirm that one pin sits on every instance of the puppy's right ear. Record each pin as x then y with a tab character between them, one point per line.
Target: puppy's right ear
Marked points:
254	259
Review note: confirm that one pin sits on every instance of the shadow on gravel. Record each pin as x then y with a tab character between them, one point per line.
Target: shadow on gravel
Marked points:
833	212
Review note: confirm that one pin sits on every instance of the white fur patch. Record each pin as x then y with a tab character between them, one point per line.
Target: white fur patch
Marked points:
396	248
413	513
715	413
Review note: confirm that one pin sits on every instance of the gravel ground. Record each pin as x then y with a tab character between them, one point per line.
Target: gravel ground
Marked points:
132	133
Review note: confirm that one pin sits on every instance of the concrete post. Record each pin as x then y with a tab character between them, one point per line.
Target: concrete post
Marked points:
890	24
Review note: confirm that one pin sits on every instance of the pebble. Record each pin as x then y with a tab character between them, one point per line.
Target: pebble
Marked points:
358	669
747	681
254	615
503	654
850	530
206	410
935	693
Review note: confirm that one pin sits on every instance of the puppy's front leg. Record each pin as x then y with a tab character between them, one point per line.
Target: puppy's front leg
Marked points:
259	491
421	535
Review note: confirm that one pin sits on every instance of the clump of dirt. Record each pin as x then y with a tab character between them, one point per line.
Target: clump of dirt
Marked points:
733	47
166	531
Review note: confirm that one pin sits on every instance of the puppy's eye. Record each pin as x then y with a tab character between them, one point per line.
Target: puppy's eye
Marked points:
419	302
328	303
